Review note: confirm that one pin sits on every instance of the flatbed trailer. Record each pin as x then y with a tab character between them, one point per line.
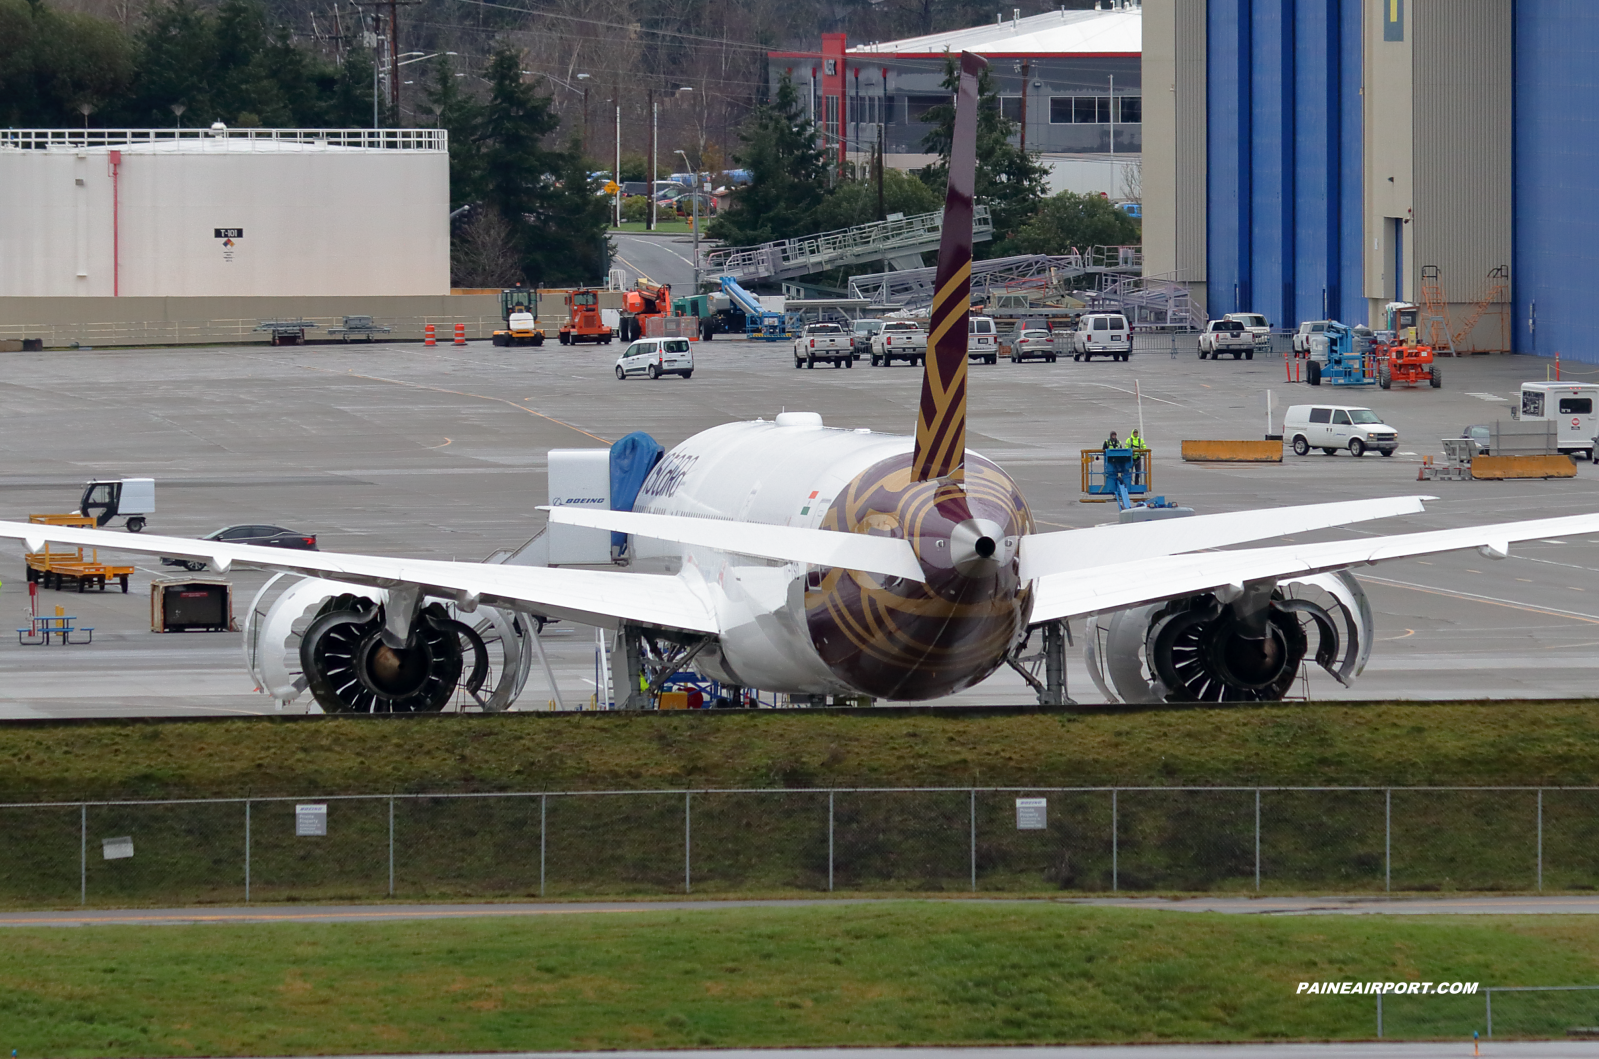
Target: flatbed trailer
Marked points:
60	567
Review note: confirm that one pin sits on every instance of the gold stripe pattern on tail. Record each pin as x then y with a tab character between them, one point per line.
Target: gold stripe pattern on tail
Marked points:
941	417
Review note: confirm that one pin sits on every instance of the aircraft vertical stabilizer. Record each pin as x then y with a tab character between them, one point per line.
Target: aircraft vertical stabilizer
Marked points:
941	419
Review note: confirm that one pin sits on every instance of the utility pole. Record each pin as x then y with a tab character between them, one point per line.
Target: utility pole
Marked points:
618	169
394	60
655	113
1112	117
1026	83
882	214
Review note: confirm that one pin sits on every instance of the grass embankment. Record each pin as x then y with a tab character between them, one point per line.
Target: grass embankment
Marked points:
899	973
788	837
1471	744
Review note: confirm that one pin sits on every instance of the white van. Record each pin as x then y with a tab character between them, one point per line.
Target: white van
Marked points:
1571	406
1102	333
982	340
1333	427
655	357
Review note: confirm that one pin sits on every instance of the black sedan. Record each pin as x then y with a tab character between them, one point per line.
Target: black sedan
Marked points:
266	536
1480	437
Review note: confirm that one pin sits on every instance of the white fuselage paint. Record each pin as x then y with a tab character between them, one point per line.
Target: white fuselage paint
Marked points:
780	475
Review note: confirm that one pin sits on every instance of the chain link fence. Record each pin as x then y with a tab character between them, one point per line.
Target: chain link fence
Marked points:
633	843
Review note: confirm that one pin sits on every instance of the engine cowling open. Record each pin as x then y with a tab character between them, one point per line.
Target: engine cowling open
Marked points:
306	634
1228	647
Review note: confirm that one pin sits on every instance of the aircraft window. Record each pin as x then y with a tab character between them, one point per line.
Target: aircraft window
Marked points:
1340	418
1321	415
1365	417
676	345
1576	406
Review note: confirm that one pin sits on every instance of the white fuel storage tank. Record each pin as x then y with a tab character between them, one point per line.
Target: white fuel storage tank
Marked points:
220	212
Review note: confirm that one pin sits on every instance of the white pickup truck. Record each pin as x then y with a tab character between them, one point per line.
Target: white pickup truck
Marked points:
828	343
899	340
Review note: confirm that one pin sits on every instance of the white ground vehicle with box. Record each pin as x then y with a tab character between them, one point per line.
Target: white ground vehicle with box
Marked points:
1333	427
1571	406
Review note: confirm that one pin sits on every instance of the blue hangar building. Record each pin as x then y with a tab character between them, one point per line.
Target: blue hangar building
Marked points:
1320	158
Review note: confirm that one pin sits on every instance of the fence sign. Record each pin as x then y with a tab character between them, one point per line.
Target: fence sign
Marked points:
117	848
1032	814
310	821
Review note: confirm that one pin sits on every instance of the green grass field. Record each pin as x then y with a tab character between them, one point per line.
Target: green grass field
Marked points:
1471	744
882	974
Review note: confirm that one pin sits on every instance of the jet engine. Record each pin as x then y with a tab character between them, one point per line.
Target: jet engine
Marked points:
1244	644
326	637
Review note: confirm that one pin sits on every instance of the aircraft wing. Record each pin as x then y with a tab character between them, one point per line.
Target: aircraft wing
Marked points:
594	597
1043	554
1129	584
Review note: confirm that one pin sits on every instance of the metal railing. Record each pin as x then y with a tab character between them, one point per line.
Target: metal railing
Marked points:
913	288
803	255
233	331
566	843
226	139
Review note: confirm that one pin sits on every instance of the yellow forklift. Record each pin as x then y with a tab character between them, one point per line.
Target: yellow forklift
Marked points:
519	308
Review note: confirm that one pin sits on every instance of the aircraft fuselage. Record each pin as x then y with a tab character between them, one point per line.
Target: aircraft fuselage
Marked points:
809	630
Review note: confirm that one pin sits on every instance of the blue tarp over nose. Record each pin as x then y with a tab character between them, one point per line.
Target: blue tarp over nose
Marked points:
632	459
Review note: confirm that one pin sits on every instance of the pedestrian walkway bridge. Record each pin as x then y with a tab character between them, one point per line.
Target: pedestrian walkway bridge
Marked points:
900	243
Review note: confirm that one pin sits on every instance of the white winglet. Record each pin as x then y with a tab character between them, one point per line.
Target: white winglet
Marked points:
890	556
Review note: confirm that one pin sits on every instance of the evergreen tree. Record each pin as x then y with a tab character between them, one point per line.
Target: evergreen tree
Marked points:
788	170
53	61
1010	181
545	197
855	201
462	117
1069	220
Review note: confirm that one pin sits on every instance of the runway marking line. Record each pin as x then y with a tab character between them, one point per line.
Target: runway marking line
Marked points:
460	393
1473	597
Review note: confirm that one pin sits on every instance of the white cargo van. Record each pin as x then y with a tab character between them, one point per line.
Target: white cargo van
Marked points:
1333	427
1571	406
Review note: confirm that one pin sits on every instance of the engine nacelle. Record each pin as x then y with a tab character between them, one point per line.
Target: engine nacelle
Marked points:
1228	647
304	633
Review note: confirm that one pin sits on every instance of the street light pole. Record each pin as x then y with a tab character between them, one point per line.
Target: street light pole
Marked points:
618	170
655	114
694	204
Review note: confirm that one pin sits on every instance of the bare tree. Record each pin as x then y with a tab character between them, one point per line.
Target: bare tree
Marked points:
482	253
1133	182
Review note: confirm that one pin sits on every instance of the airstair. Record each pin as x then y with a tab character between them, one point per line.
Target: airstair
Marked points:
1148	301
913	288
900	243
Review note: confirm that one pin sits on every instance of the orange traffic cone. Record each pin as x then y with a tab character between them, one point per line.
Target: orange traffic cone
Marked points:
460	334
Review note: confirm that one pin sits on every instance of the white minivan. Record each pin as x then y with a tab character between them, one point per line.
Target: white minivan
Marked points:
1333	427
655	357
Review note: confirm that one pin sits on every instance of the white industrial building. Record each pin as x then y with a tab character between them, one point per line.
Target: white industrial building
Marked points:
219	212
